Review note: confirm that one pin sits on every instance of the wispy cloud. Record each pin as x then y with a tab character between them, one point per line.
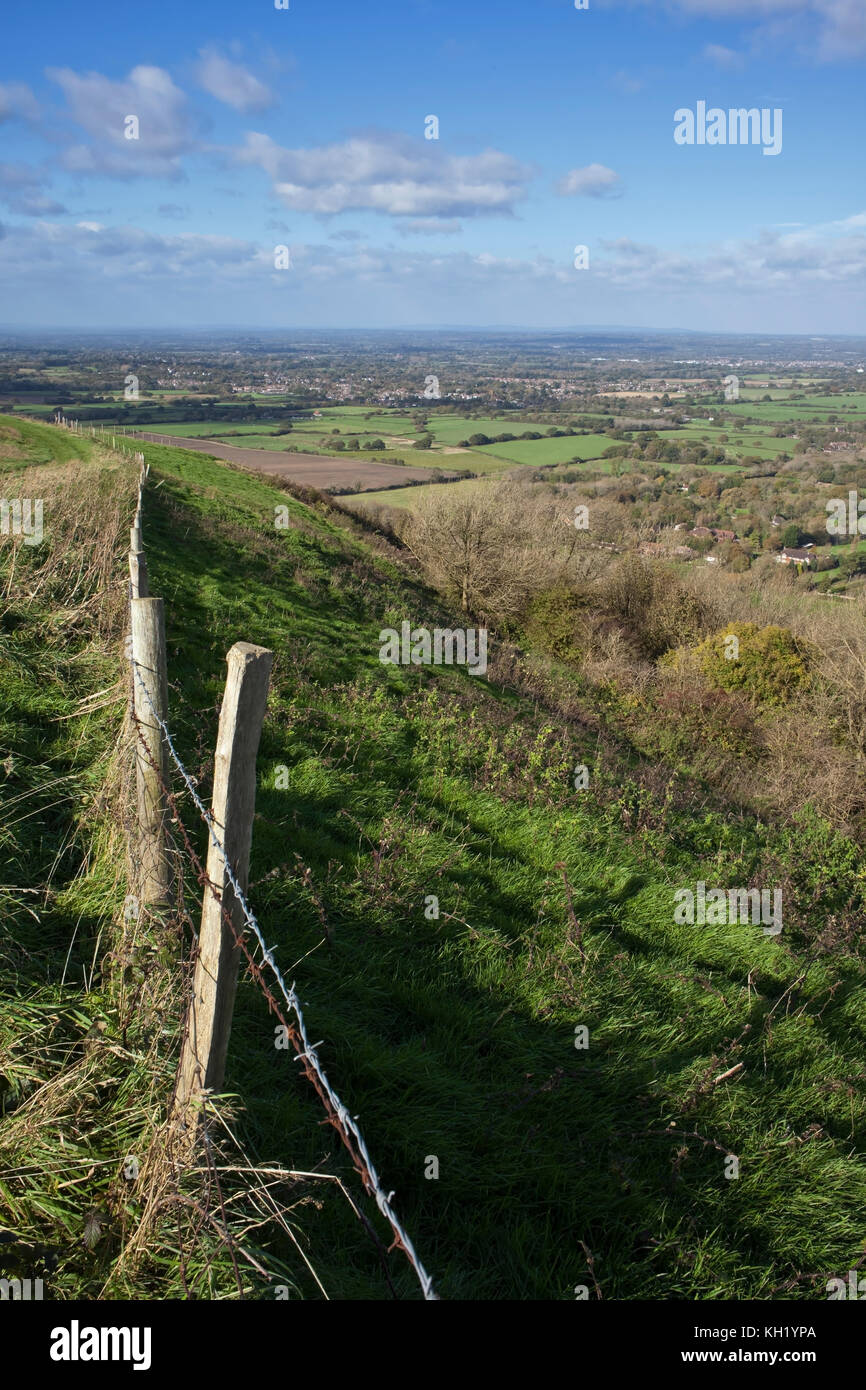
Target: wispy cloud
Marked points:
592	181
825	258
721	56
430	226
829	30
232	83
17	102
24	191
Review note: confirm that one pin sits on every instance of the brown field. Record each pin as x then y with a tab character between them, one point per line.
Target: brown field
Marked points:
315	470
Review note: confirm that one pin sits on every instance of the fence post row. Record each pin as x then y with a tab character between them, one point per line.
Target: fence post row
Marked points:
203	1058
151	755
224	915
202	1063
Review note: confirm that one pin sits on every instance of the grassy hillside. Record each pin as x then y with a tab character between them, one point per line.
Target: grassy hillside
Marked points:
452	1037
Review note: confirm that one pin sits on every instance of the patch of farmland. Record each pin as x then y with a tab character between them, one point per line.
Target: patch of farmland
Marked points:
314	470
450	429
852	406
541	452
407	497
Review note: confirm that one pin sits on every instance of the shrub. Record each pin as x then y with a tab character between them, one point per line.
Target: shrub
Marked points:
556	623
653	605
771	666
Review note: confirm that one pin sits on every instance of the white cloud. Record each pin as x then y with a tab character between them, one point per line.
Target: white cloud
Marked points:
829	254
809	279
23	190
101	106
830	30
430	226
721	56
593	181
232	83
17	100
389	174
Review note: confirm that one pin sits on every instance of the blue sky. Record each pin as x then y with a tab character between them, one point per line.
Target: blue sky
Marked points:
305	128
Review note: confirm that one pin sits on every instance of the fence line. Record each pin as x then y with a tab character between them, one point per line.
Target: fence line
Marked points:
308	1053
338	1114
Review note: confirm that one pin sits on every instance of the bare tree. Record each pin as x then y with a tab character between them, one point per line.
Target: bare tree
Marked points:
493	546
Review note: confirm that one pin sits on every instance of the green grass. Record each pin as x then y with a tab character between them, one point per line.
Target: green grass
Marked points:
740	443
208	429
407	496
450	429
455	1036
852	405
542	452
23	443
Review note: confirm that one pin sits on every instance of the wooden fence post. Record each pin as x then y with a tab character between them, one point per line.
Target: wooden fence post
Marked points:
202	1063
149	665
138	582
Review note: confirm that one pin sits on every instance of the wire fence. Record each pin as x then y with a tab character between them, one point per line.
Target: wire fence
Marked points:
265	969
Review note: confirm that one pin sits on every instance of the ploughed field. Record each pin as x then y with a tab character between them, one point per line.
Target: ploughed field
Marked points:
314	470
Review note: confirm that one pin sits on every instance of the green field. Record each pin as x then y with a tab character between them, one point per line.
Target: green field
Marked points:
450	429
750	440
407	497
542	452
851	406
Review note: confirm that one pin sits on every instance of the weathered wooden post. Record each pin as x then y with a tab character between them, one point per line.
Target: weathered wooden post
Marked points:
203	1060
138	582
151	766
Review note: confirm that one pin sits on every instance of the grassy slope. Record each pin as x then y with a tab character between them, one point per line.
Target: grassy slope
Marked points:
78	1067
455	1037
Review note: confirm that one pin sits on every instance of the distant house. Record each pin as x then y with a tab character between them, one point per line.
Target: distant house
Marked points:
778	520
795	555
711	532
653	550
711	559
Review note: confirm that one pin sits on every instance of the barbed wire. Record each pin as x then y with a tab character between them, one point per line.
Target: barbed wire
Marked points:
338	1114
255	971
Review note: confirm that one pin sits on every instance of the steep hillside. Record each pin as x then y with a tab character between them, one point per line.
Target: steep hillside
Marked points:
456	1037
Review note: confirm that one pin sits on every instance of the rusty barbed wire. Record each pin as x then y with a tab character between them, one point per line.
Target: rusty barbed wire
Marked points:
337	1114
